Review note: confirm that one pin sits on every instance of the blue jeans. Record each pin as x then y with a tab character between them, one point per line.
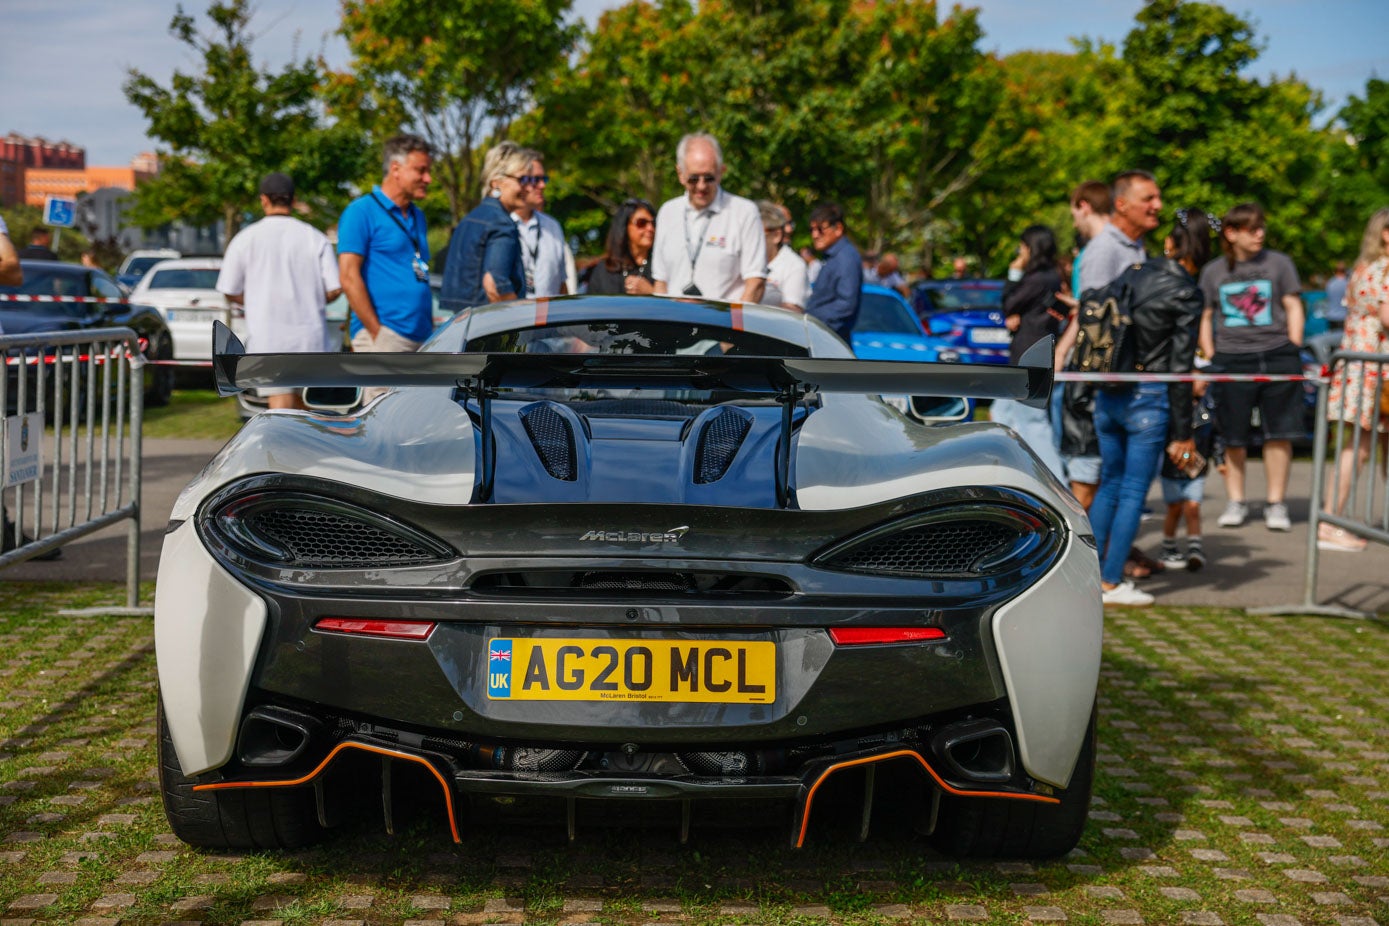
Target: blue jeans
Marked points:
1034	427
1132	429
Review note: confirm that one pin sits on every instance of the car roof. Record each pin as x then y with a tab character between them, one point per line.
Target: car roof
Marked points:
55	266
188	263
962	283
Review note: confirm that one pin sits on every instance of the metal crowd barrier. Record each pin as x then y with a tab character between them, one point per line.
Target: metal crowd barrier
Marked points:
70	451
1366	513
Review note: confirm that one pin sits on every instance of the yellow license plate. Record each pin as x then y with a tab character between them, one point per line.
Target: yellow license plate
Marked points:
720	671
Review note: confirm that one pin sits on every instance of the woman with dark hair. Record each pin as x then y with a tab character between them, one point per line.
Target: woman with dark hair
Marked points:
626	265
1031	312
1140	424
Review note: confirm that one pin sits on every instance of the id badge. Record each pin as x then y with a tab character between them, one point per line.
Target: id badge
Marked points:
421	269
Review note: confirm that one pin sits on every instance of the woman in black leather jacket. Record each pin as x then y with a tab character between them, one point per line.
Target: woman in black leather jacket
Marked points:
1137	424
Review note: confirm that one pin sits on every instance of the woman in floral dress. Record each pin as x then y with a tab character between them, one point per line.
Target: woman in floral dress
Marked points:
1355	388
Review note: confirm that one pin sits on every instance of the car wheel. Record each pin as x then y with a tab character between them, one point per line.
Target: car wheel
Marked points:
270	818
159	383
994	828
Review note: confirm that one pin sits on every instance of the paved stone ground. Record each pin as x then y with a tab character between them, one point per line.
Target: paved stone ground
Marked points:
1243	779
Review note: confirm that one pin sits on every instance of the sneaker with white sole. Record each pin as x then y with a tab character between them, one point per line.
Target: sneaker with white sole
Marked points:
1339	541
1172	558
1235	514
1276	517
1125	593
1195	557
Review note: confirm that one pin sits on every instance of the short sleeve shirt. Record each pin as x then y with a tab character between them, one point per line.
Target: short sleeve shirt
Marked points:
387	240
542	254
283	269
1246	303
1108	255
718	249
787	279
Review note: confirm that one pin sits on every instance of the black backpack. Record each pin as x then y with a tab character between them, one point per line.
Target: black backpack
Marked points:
1102	327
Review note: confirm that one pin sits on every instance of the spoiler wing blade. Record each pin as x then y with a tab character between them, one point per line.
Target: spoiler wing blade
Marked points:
235	370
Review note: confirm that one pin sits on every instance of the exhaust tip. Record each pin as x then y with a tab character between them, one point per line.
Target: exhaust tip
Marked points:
978	750
273	737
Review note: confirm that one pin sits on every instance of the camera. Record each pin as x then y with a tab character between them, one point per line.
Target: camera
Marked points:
692	290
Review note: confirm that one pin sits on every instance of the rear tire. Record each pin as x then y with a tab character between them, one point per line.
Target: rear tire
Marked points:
1002	828
254	818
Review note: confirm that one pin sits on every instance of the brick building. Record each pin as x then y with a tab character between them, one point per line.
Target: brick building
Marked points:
20	154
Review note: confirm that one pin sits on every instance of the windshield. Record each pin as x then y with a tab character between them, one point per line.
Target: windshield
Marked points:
45	283
975	294
185	278
137	266
882	313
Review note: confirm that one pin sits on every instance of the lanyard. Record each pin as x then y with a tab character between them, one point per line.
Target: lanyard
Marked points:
692	249
414	242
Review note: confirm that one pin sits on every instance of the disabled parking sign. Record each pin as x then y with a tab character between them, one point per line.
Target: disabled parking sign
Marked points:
59	212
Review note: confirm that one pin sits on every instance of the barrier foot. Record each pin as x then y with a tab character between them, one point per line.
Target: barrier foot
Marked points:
111	611
1314	610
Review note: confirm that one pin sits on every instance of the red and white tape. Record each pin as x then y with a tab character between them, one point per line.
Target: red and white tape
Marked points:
15	297
1074	377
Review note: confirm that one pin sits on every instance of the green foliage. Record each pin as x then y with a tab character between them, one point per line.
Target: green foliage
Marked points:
457	74
223	129
22	220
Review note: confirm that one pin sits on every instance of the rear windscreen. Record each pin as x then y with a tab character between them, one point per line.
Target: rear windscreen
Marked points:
629	337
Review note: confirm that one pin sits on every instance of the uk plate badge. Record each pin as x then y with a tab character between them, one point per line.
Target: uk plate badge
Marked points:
499	668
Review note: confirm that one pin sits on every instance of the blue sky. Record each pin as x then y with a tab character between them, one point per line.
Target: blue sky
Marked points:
62	62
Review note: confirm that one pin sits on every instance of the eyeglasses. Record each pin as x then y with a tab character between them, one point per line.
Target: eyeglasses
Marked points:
643	223
818	229
697	179
531	179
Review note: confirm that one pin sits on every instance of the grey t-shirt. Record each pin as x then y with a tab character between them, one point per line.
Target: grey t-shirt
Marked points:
1246	303
1108	255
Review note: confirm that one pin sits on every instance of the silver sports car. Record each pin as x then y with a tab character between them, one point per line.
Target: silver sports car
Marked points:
629	549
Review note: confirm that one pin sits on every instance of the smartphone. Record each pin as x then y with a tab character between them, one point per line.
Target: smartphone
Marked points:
1193	466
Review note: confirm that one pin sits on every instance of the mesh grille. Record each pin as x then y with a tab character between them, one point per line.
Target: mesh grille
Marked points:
637	581
719	443
316	538
553	439
942	548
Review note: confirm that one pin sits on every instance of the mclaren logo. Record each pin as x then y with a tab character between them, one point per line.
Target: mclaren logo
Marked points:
668	536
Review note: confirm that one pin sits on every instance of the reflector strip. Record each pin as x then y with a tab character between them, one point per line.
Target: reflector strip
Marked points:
735	312
907	754
542	311
409	630
856	636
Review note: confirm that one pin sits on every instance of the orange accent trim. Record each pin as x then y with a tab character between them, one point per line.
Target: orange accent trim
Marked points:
735	311
907	754
542	311
394	754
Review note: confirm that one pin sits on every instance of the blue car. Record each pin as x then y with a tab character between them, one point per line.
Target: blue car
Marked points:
967	315
887	329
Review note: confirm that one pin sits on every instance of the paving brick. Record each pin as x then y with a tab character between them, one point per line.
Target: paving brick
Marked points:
1179	893
1121	917
1255	895
1305	875
1045	914
966	912
891	911
1331	898
1201	918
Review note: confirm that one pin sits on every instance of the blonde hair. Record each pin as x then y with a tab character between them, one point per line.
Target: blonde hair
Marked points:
1372	245
505	159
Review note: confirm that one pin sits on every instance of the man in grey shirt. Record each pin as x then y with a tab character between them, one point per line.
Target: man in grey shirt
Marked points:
1119	245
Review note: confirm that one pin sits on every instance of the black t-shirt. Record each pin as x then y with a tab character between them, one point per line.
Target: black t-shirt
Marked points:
1033	298
605	282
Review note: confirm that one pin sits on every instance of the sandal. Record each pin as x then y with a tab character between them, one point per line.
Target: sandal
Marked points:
1140	566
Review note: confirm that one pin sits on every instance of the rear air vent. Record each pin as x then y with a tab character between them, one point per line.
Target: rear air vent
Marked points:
719	440
966	542
553	437
569	584
309	532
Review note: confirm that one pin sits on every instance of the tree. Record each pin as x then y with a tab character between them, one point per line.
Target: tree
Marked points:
223	129
457	74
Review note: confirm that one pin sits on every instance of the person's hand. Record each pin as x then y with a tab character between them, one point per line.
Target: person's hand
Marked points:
1020	261
1012	323
1068	300
1180	451
636	285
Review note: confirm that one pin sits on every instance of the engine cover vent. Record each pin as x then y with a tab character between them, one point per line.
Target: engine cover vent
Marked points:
553	438
719	441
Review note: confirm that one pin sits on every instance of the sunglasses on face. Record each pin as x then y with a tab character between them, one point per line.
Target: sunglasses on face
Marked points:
642	223
820	229
531	179
697	179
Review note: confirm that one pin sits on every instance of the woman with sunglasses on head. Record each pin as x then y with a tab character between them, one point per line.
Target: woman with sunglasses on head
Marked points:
1140	425
626	265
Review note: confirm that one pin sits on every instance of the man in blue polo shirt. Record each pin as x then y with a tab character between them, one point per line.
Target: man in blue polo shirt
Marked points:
383	254
835	298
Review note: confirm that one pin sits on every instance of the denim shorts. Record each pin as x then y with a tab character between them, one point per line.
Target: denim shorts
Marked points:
1082	469
1183	490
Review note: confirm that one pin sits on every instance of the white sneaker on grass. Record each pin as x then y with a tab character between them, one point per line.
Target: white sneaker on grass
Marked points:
1125	593
1235	514
1276	517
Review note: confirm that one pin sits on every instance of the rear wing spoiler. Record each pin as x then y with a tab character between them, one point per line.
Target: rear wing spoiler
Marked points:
235	370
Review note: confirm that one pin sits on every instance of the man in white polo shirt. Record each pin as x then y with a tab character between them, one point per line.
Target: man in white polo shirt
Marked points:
708	242
284	272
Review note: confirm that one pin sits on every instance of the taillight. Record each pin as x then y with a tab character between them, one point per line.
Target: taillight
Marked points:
862	636
404	630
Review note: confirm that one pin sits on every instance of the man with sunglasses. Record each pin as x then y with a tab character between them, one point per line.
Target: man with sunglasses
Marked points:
709	242
835	298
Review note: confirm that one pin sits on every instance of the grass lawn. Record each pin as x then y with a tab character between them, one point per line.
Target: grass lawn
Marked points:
192	414
1243	779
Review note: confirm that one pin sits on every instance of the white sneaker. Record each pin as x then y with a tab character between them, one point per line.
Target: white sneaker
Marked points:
1126	594
1234	515
1172	559
1276	517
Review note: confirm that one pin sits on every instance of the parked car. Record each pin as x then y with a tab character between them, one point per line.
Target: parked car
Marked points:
967	315
598	549
107	308
888	329
138	262
184	291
